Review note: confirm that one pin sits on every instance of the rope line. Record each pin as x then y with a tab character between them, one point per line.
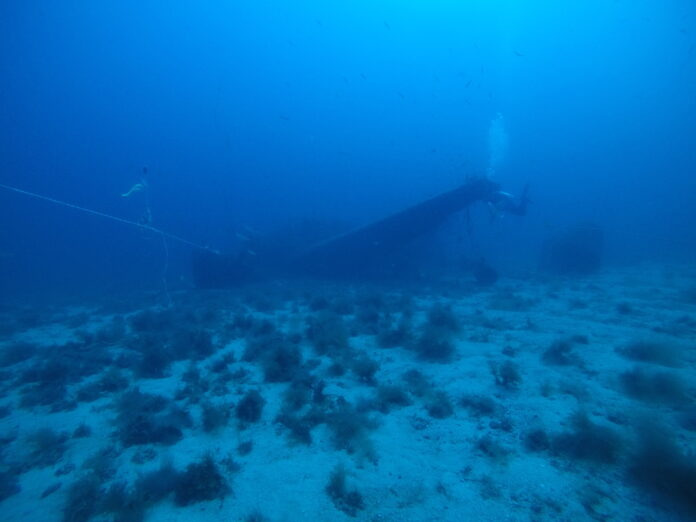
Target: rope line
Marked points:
142	226
164	271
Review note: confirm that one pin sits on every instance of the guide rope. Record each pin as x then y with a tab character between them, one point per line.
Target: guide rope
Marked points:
141	226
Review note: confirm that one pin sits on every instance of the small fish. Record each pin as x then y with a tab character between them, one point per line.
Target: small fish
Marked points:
517	53
284	117
362	75
468	83
401	94
135	188
386	24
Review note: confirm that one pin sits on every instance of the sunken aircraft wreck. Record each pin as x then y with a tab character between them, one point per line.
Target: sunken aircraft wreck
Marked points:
321	251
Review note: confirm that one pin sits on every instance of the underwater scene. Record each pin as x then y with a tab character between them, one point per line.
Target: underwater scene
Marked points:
334	261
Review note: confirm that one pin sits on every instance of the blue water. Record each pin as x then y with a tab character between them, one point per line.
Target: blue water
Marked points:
222	125
252	115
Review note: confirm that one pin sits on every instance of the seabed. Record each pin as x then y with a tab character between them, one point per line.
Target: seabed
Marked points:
539	398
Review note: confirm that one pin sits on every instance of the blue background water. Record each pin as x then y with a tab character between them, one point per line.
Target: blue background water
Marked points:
258	113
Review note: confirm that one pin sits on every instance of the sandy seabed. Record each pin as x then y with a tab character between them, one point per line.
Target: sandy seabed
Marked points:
536	399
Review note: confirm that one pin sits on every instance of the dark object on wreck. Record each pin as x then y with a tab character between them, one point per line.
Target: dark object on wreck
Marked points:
574	251
484	274
352	253
213	270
